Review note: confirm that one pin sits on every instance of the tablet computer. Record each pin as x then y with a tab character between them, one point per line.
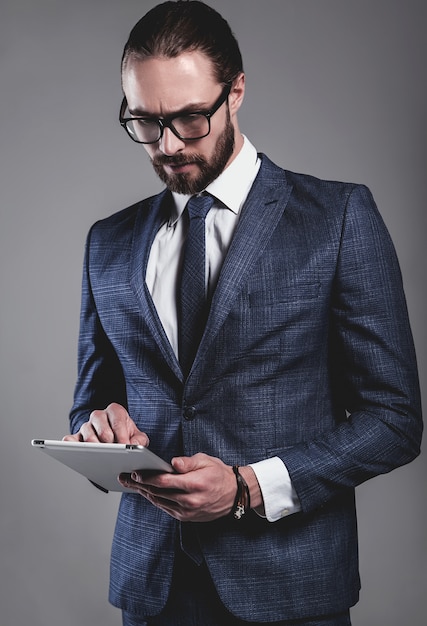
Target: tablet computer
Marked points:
102	463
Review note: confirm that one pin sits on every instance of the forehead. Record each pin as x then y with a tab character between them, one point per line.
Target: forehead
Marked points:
162	85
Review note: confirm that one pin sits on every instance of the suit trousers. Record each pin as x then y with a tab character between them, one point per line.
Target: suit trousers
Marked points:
194	602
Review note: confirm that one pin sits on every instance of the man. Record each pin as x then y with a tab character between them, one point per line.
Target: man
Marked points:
290	384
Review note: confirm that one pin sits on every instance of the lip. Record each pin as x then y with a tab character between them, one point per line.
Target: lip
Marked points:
179	169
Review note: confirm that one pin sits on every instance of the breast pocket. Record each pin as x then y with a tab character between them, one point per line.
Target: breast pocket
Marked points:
284	294
266	320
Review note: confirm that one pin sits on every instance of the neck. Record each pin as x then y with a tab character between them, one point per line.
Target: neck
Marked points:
238	144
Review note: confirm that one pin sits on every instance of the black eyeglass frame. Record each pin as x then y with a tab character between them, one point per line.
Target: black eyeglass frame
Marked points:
167	122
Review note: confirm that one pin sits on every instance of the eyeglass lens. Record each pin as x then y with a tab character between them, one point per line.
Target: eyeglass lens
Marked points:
193	126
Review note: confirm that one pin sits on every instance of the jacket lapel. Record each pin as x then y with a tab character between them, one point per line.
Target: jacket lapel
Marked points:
153	213
260	215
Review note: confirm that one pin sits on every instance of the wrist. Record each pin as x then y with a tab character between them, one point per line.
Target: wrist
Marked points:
248	492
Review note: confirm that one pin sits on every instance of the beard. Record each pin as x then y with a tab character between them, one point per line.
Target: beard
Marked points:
208	170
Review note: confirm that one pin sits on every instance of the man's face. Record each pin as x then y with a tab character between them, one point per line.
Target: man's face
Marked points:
160	87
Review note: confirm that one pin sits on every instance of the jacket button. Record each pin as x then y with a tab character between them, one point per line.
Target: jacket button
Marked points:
189	413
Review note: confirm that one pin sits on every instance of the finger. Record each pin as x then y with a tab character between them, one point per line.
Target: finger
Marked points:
157	488
164	501
76	437
123	427
119	422
168	501
126	481
155	496
98	428
140	439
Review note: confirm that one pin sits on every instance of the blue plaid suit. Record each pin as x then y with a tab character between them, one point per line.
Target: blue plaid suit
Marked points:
307	355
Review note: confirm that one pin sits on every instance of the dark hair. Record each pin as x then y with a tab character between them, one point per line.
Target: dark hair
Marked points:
172	28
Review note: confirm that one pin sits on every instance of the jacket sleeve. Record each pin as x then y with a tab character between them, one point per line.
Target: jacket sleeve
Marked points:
373	367
100	379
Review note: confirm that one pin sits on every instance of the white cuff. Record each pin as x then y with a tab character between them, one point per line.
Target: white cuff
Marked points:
280	498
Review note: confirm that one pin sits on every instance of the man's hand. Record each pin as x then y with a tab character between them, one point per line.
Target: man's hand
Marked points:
112	425
202	489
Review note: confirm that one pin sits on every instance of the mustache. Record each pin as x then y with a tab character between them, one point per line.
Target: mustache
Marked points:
177	159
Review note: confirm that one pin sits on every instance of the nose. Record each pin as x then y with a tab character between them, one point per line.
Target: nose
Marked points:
169	143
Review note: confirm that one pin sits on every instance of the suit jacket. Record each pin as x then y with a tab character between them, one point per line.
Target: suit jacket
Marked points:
307	355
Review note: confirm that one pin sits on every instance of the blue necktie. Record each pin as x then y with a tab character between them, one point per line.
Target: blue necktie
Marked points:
193	305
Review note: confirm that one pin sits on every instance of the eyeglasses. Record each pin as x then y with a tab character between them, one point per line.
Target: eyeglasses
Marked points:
186	126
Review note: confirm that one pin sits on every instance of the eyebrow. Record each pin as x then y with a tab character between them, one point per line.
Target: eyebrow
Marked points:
191	108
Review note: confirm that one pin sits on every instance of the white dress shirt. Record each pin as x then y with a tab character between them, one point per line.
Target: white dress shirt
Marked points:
230	191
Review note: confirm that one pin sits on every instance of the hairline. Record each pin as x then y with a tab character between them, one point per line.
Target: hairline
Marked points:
135	56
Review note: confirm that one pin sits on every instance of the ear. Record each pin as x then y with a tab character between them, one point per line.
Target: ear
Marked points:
237	94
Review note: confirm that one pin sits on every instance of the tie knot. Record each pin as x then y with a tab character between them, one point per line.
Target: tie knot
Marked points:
199	206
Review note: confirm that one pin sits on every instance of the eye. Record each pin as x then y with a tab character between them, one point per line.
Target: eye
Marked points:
189	120
143	129
142	122
191	126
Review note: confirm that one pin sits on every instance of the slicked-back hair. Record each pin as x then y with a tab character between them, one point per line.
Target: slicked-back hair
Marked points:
175	27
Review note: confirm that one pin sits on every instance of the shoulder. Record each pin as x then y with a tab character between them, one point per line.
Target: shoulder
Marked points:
123	223
127	217
308	186
315	197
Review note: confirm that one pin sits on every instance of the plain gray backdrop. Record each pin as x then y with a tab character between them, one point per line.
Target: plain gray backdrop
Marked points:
335	88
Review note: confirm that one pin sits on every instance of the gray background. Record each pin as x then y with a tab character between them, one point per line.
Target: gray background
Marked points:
334	88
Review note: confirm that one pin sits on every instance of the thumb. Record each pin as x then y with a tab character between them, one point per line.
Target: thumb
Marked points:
183	464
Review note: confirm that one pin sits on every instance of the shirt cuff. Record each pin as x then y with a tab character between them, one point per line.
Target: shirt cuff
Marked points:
280	498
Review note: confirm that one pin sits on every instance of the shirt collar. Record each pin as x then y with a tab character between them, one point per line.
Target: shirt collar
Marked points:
232	186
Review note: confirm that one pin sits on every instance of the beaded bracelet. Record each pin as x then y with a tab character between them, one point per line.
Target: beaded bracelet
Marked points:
242	502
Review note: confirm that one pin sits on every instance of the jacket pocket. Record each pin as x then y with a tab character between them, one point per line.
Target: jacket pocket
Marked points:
290	293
